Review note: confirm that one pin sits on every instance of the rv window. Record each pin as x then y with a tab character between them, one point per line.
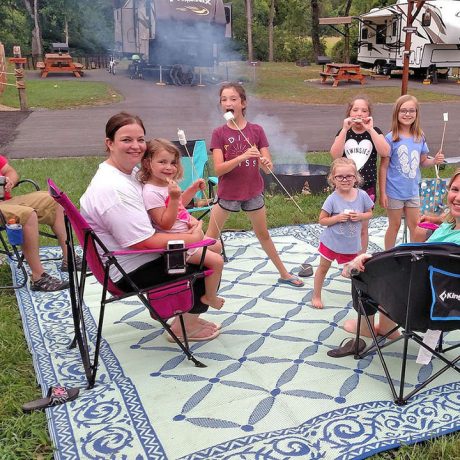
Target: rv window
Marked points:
394	28
381	34
228	14
364	34
426	18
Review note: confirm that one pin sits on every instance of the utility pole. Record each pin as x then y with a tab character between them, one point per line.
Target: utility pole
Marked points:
407	44
409	29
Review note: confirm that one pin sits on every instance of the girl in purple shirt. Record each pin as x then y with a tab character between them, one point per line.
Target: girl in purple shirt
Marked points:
240	150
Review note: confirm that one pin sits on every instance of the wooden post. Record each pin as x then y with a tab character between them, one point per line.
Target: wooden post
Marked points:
407	45
2	69
19	73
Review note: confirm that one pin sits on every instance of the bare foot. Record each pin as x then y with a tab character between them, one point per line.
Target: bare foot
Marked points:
175	324
351	325
201	334
317	303
214	302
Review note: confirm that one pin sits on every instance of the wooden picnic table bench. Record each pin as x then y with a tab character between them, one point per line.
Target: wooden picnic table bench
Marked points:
342	72
59	63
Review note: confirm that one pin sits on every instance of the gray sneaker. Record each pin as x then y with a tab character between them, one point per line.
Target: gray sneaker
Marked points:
65	267
47	283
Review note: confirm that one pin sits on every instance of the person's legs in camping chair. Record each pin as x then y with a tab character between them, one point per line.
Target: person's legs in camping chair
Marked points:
214	262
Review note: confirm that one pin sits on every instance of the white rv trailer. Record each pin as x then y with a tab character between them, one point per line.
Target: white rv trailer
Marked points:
168	32
435	40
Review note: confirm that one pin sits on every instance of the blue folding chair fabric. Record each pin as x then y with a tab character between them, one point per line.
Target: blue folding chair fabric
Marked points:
194	168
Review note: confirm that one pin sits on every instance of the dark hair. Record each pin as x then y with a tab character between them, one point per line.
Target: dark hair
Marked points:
238	88
118	121
153	147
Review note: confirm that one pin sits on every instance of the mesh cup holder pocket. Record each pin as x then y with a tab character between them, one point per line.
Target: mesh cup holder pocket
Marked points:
172	300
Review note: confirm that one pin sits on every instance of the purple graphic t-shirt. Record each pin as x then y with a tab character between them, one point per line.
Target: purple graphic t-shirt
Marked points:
245	181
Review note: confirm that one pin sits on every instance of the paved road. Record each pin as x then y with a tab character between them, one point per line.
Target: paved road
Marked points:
291	128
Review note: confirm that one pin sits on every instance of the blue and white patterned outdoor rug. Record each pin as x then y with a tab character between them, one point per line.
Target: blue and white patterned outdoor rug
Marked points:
269	390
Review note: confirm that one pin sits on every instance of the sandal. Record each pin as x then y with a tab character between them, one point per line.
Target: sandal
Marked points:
192	337
347	348
293	281
306	270
55	396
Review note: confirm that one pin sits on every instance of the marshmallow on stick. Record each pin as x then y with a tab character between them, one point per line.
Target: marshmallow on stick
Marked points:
229	116
181	137
445	116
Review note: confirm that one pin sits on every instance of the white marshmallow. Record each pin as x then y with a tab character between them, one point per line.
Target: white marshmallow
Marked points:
229	116
446	116
181	137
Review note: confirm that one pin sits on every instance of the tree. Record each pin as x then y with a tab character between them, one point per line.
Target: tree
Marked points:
346	34
249	29
271	18
317	48
32	10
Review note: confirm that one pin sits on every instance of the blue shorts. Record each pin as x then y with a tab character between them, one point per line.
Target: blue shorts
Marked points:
253	204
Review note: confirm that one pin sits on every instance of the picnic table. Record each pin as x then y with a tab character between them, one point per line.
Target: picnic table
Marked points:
58	63
342	72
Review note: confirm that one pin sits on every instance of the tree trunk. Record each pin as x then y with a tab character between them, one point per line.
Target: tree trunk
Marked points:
271	19
317	49
249	30
346	40
37	47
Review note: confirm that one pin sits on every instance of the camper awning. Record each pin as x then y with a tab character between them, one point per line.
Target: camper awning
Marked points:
335	21
381	13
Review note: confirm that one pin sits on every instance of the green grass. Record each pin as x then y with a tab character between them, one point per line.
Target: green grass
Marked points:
286	82
53	93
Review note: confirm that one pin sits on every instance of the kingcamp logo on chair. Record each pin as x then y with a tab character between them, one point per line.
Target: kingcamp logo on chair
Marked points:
445	295
449	295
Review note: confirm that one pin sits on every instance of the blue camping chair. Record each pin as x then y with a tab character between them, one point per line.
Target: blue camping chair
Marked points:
195	168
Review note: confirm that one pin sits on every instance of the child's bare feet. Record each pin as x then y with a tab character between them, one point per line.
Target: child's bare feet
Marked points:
214	302
317	303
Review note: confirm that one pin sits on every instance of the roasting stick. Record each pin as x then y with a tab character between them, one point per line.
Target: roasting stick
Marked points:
230	117
436	167
183	141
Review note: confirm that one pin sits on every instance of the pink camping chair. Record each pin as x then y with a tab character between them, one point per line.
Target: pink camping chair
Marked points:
163	301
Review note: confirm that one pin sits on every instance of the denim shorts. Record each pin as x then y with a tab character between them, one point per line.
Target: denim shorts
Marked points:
393	203
253	204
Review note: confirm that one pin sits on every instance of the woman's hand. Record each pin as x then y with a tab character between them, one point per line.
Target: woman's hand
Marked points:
383	200
174	190
357	264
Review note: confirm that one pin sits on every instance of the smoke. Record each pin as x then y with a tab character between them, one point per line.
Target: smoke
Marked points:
284	147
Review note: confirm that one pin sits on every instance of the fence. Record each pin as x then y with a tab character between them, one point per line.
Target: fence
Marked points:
89	61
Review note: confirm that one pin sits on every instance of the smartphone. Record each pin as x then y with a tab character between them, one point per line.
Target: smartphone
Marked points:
175	261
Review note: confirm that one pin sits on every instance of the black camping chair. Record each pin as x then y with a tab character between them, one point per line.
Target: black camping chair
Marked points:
418	287
11	250
163	301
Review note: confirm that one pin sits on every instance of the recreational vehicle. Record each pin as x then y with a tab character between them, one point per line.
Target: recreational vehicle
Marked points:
435	37
170	32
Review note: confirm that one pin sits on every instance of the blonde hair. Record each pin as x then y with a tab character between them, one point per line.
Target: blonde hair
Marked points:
343	161
155	146
415	129
449	217
359	97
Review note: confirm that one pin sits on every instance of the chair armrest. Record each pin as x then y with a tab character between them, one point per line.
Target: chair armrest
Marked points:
28	181
199	244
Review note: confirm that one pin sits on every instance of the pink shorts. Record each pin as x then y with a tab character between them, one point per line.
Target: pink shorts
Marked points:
330	255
